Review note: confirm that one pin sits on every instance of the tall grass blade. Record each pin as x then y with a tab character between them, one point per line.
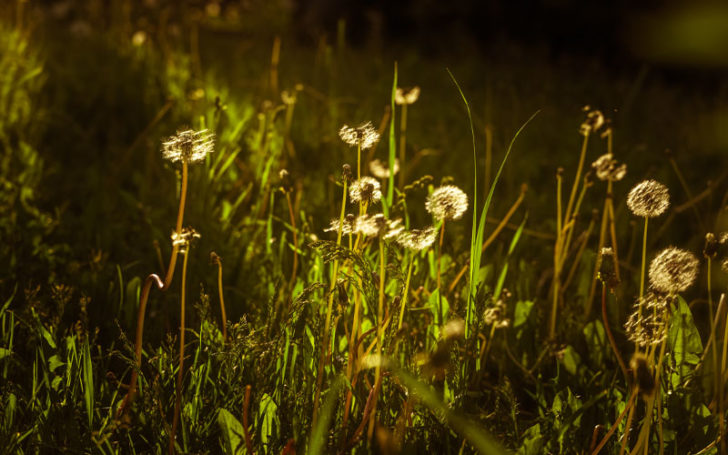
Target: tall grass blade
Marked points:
392	146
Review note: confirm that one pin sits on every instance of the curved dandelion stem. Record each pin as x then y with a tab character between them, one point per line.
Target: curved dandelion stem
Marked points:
612	343
144	297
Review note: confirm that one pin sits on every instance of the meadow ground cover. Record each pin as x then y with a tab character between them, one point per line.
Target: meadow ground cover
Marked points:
217	241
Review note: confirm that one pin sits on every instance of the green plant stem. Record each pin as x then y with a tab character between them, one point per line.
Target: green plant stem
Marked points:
294	230
616	423
711	309
329	307
223	315
610	336
439	259
402	146
575	187
380	351
406	291
144	297
180	371
557	253
721	388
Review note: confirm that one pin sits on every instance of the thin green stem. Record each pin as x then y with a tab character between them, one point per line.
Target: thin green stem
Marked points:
380	327
439	259
402	146
180	371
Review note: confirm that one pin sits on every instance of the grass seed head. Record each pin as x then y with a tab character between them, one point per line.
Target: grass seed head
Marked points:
188	146
381	170
366	189
649	199
447	203
608	169
673	270
417	239
364	134
406	95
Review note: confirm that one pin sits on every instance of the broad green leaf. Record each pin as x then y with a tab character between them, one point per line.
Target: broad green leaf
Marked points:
267	418
232	432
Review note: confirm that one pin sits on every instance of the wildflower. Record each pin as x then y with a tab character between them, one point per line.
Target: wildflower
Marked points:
447	203
648	199
607	168
673	270
417	239
406	95
364	135
381	170
188	146
594	121
183	238
365	189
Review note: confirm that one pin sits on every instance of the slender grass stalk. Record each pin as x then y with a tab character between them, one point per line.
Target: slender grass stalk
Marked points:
329	307
380	339
557	258
218	260
615	425
405	293
439	260
612	343
294	231
402	146
144	297
180	371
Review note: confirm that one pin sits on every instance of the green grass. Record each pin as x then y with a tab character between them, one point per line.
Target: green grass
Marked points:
88	206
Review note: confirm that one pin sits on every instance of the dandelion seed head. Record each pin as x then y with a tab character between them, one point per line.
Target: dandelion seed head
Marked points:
381	170
394	229
648	199
364	134
406	95
371	225
418	239
647	327
608	169
454	328
673	270
183	238
366	189
447	203
348	226
496	315
189	146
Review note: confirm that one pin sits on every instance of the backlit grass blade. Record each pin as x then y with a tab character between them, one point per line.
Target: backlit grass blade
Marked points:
392	146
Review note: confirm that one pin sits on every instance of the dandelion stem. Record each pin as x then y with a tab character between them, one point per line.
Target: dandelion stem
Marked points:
642	269
439	259
144	297
294	231
615	425
180	371
612	343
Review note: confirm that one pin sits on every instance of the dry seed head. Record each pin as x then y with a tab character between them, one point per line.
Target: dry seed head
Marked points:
608	169
673	270
594	121
648	199
406	95
711	246
188	146
183	238
365	189
347	227
447	203
454	328
647	327
380	169
394	229
364	134
418	239
606	267
371	225
496	315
